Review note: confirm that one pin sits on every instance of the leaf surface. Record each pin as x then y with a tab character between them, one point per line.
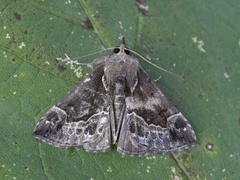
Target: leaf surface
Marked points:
198	40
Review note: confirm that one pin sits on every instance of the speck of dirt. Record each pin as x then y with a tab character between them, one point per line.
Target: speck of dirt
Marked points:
60	67
87	23
17	16
97	16
142	7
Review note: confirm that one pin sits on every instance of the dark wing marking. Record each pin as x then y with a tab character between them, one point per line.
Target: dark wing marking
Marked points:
151	123
81	119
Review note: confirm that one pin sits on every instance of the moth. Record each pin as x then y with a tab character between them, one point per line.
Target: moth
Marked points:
117	103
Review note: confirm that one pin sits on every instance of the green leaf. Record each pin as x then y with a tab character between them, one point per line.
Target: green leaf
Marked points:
198	40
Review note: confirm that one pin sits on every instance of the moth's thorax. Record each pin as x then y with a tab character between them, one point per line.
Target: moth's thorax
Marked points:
121	69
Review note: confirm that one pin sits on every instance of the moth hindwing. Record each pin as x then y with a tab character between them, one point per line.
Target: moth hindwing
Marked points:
118	104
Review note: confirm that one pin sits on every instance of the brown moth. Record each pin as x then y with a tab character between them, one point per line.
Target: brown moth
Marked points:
117	103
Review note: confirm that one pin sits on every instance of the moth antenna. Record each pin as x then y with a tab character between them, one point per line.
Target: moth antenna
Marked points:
124	44
81	57
169	72
106	49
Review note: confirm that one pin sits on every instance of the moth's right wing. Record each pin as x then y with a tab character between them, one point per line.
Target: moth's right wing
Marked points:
152	124
81	119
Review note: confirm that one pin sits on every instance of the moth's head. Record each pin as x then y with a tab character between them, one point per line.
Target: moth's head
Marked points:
122	49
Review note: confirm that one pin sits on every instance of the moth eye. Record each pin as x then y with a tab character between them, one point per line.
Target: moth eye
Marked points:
116	50
127	51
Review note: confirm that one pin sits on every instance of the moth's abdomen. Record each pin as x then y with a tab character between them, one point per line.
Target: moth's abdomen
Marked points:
118	105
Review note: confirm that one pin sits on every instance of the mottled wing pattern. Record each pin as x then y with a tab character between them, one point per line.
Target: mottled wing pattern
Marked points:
151	123
81	119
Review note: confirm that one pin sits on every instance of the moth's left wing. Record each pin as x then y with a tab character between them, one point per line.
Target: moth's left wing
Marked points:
151	123
81	119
